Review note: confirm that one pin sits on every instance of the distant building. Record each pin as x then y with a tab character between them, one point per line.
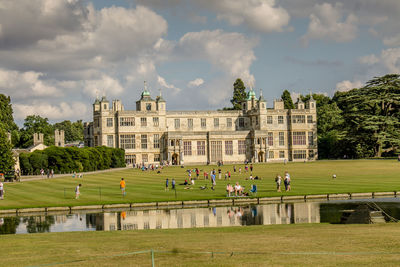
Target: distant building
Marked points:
151	134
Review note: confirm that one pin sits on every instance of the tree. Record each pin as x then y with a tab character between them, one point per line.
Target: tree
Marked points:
372	115
6	155
72	131
36	124
287	100
239	94
6	118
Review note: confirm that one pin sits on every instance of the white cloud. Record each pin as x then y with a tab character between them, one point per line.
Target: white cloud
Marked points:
26	84
231	53
196	82
105	85
327	23
63	110
260	15
161	81
347	85
387	61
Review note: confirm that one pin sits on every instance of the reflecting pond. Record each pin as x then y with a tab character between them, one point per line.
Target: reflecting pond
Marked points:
280	213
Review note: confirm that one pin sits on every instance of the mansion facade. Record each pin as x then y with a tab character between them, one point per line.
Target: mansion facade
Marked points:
151	134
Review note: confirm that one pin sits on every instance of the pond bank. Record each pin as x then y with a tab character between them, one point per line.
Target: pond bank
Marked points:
200	203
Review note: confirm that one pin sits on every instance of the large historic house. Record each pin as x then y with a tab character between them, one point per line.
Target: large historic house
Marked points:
151	134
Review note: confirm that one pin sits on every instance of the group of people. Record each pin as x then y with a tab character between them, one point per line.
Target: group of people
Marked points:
286	182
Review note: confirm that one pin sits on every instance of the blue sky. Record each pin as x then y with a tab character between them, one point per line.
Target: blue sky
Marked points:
57	56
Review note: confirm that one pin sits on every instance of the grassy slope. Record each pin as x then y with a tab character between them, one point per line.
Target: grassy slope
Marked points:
307	178
301	245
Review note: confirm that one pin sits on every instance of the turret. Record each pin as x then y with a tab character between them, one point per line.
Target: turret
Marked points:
262	103
299	104
146	103
104	104
312	104
160	103
279	104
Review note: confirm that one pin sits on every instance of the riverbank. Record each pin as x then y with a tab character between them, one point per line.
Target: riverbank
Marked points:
308	179
282	245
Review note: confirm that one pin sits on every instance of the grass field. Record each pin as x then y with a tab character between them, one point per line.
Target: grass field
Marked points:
276	245
103	188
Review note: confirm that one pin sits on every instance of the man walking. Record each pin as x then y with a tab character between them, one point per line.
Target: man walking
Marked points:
122	186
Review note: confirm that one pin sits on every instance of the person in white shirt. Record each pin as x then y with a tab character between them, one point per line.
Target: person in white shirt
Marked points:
77	191
238	189
1	191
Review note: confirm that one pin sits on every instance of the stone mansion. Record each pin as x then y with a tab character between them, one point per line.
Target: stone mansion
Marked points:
151	134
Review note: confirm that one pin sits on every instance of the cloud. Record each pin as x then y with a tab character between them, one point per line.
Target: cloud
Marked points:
105	85
231	53
316	63
327	23
346	85
28	84
196	82
259	15
387	61
161	81
63	110
392	41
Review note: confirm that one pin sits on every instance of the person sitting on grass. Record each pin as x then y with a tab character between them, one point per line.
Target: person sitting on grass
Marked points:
229	190
184	183
238	189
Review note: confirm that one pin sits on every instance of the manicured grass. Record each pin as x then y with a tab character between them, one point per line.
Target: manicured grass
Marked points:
307	178
276	245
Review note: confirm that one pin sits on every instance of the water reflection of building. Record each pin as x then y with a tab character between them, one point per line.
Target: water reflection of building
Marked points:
211	217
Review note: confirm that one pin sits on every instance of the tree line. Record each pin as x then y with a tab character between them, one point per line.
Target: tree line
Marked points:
70	159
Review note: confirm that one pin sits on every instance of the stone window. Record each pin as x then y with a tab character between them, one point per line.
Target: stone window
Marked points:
299	138
145	158
281	138
187	148
256	120
143	139
241	122
299	154
280	120
241	146
155	121
143	122
310	138
309	119
216	122
127	121
281	154
203	123
177	123
110	122
271	154
110	141
127	141
130	159
270	139
201	148
311	154
298	119
228	122
156	141
190	123
156	157
228	147
269	119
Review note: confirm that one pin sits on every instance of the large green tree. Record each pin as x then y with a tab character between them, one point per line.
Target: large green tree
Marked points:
36	124
287	100
239	94
6	156
73	130
372	116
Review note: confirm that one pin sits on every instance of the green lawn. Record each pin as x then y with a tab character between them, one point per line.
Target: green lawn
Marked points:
307	178
275	245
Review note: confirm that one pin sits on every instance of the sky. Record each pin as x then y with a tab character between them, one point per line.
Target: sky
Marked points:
56	57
